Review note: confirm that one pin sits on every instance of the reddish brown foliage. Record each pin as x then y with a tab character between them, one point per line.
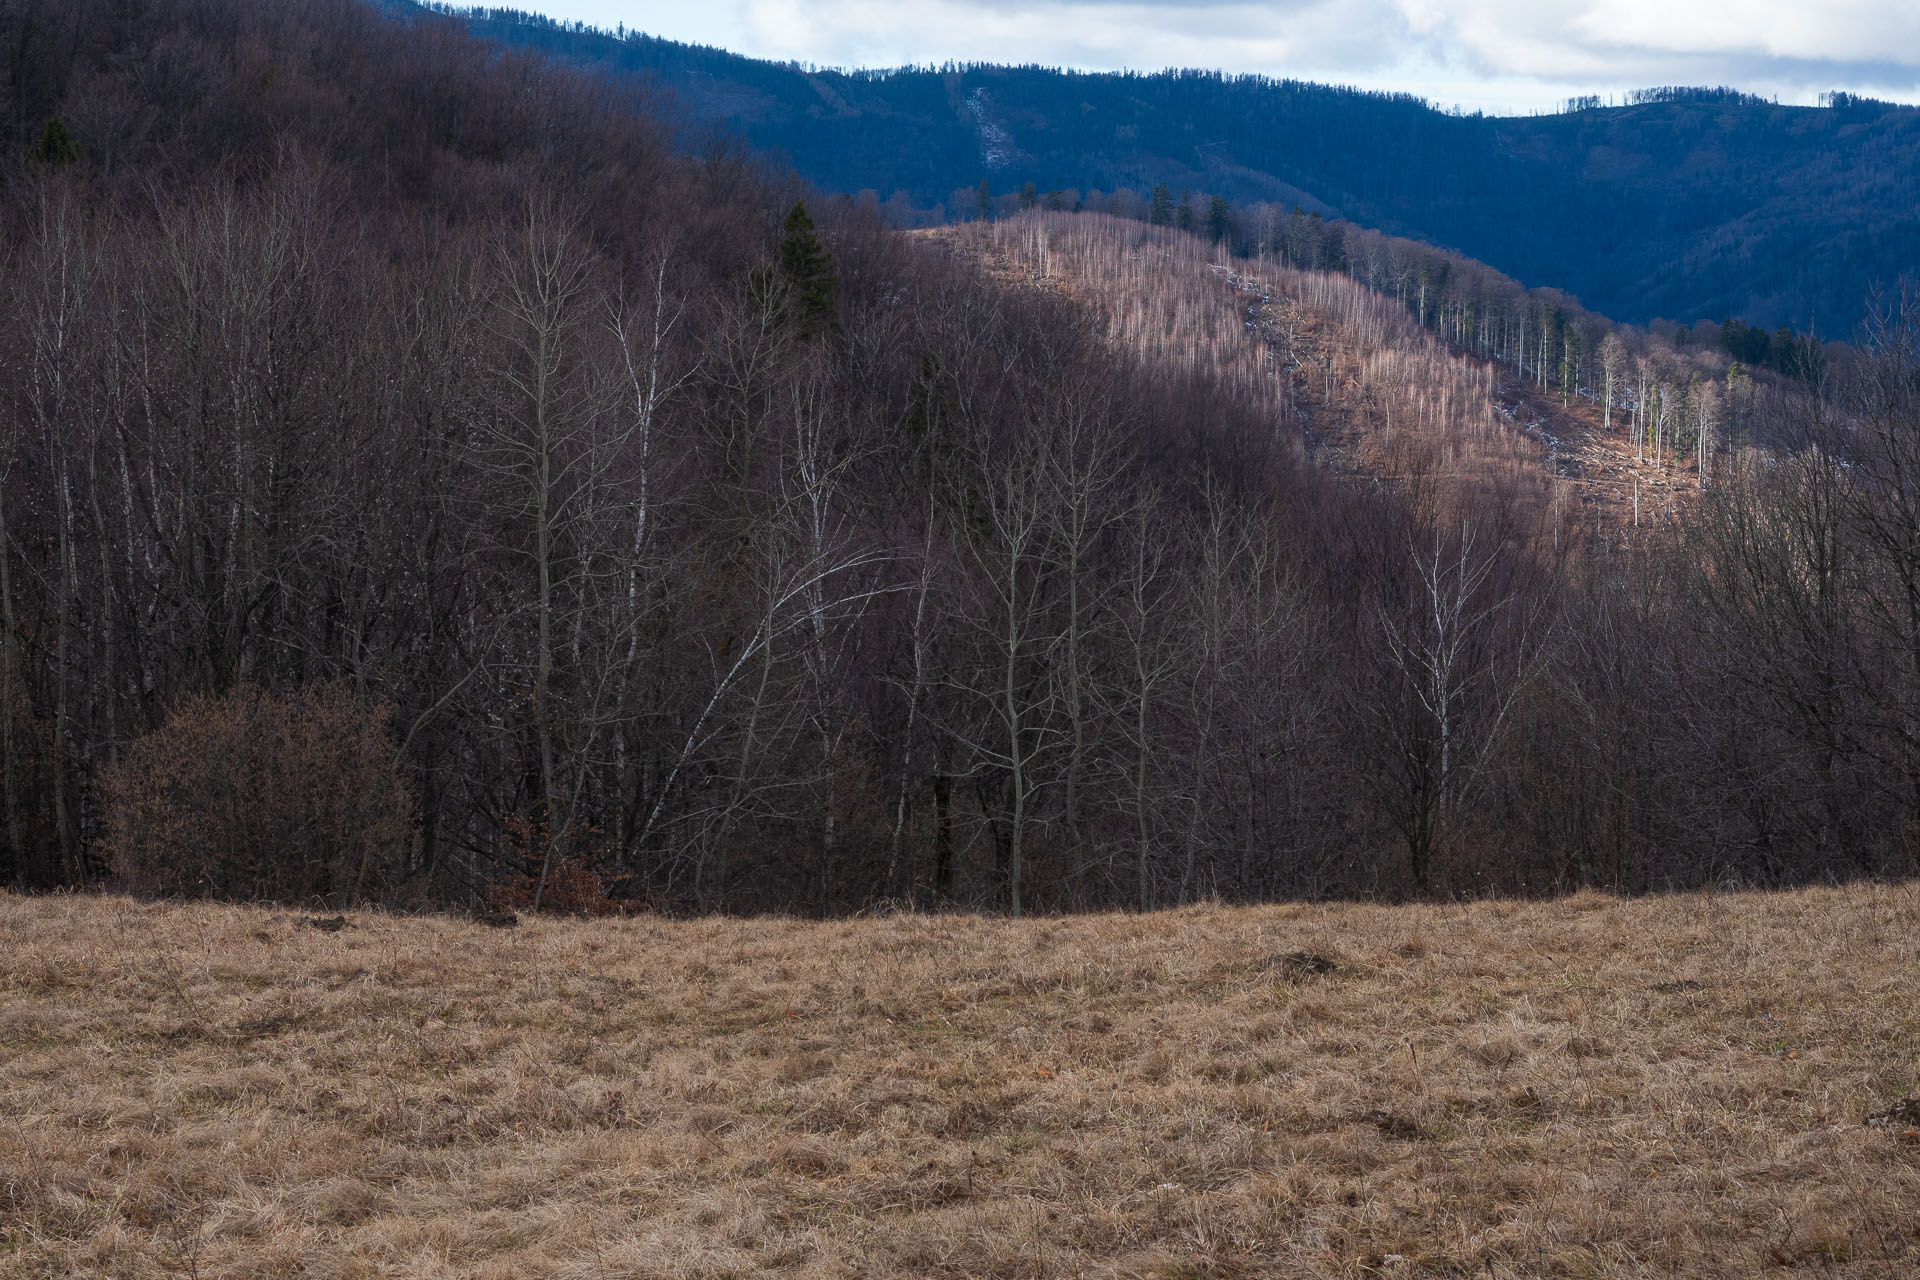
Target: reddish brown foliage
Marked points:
254	795
573	887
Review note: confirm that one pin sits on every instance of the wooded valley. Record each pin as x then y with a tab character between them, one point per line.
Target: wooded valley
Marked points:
423	482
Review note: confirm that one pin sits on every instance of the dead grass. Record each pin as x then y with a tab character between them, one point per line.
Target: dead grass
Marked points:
1589	1087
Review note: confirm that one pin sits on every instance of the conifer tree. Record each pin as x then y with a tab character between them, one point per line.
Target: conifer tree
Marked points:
56	149
807	269
1161	213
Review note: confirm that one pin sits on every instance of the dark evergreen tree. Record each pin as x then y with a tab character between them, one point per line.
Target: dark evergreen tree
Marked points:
1161	212
1219	219
807	268
1746	343
1796	355
56	149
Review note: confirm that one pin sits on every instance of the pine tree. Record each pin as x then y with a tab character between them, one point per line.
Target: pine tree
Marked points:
1161	214
1219	219
56	149
807	269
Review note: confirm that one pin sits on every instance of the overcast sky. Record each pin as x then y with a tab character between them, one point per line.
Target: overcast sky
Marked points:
1495	55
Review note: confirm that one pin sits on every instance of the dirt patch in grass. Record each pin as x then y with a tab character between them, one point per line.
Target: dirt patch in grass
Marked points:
1589	1087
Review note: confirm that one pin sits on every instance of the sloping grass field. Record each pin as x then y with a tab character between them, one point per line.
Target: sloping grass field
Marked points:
1589	1087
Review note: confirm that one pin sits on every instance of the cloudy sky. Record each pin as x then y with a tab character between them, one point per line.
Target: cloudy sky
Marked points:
1496	55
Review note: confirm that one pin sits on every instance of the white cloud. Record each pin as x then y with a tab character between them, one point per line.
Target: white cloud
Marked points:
1497	54
1090	34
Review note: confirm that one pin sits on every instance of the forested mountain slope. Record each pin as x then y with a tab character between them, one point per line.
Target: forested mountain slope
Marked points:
419	480
1691	205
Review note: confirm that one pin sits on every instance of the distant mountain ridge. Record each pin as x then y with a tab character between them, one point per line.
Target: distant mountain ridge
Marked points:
1687	204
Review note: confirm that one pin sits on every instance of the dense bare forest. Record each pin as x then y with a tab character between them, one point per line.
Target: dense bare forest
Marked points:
421	483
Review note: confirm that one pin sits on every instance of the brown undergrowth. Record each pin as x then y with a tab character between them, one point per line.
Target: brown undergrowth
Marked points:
1588	1087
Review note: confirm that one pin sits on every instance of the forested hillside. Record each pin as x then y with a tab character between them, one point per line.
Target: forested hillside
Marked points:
1687	204
423	481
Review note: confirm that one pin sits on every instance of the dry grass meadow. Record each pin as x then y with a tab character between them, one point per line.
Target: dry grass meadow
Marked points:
1590	1087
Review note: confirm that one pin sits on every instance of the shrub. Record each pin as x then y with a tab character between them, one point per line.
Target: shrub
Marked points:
574	887
251	795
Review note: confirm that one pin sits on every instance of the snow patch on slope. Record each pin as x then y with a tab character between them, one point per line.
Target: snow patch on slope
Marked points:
996	144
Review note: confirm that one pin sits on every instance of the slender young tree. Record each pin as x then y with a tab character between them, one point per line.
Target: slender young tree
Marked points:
1139	706
552	432
1084	472
1013	733
1458	650
1613	361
